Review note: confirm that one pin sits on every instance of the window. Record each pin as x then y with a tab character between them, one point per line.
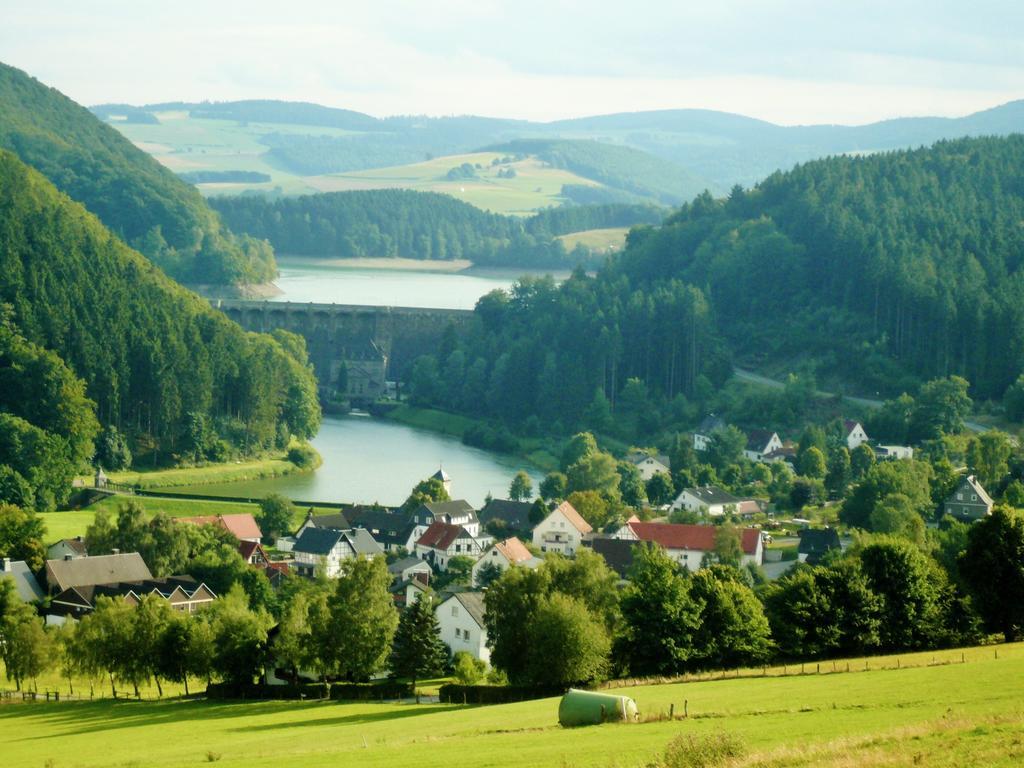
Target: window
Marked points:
974	497
959	497
455	610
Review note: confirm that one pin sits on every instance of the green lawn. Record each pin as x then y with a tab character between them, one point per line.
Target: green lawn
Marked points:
604	240
950	715
251	469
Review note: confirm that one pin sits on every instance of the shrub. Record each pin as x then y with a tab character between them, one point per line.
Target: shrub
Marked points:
303	456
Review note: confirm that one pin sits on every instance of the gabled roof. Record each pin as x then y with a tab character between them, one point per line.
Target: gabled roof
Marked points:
758	439
386	527
241	526
362	542
248	548
514	550
710	424
454	508
24	580
337	521
849	425
515	513
406	562
473	602
971	481
442	535
569	513
317	541
86	596
818	541
618	553
699	537
712	494
76	545
638	458
101	569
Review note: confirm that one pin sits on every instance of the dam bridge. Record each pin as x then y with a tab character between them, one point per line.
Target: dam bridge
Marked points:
370	343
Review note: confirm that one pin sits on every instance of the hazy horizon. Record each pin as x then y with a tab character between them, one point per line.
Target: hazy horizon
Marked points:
787	62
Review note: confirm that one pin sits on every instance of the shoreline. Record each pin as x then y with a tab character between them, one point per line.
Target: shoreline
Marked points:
395	264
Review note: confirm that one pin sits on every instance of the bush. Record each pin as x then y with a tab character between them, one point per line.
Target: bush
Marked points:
371	691
701	751
468	670
257	691
303	456
453	693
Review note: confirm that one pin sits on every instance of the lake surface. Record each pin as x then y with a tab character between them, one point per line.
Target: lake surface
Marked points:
368	459
303	279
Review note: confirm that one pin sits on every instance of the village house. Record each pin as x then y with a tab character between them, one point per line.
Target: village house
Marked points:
702	435
389	528
562	531
458	512
709	500
182	592
326	548
649	466
242	526
409	567
893	452
815	543
72	548
969	501
25	582
461	619
761	443
253	553
90	571
854	434
515	515
442	541
689	544
407	592
503	555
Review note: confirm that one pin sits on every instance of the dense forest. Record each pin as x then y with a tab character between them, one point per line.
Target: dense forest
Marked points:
420	225
137	198
884	270
160	366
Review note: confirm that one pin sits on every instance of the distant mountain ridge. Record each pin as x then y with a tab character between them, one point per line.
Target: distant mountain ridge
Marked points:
719	148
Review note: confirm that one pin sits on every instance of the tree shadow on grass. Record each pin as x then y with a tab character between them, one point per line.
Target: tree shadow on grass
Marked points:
363	718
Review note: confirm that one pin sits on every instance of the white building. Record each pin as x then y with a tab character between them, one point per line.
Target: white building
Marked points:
702	435
443	541
504	554
761	443
893	452
855	434
327	548
562	531
688	544
461	619
649	466
707	500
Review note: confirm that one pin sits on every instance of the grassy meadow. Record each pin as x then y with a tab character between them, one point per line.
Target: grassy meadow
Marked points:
604	240
944	713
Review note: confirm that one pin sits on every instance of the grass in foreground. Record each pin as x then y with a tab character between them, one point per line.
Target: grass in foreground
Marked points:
959	714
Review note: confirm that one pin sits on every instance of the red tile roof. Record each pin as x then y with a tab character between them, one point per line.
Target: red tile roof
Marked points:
441	535
241	526
514	550
248	548
573	517
700	537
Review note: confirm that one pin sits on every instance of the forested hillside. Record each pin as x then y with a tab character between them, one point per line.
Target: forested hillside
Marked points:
419	225
137	198
161	366
883	269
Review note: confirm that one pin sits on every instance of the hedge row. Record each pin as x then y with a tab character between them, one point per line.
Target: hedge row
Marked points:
336	691
452	693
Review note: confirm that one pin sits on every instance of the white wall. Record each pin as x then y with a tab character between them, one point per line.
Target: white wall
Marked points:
456	623
556	534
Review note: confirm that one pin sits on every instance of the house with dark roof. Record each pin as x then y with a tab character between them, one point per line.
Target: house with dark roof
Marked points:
242	526
853	434
514	514
760	443
504	555
408	568
969	501
562	531
100	569
709	500
253	553
688	544
326	548
456	512
390	528
617	553
25	582
182	592
67	548
461	620
815	543
441	542
648	466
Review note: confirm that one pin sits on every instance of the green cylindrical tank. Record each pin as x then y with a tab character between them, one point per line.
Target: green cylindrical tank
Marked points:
591	708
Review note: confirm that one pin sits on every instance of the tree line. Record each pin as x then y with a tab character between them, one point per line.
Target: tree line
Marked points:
142	356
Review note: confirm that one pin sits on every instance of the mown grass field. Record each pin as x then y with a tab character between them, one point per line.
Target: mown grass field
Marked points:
251	469
603	240
952	714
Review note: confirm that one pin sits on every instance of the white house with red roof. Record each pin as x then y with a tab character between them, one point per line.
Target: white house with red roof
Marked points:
562	531
688	544
854	434
443	541
504	554
242	526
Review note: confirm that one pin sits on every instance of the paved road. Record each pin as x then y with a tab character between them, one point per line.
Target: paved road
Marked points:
756	378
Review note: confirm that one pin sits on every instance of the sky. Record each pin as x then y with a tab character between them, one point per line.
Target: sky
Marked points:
787	61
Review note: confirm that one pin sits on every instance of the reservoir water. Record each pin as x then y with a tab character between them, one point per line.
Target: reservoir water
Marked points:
320	281
368	459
